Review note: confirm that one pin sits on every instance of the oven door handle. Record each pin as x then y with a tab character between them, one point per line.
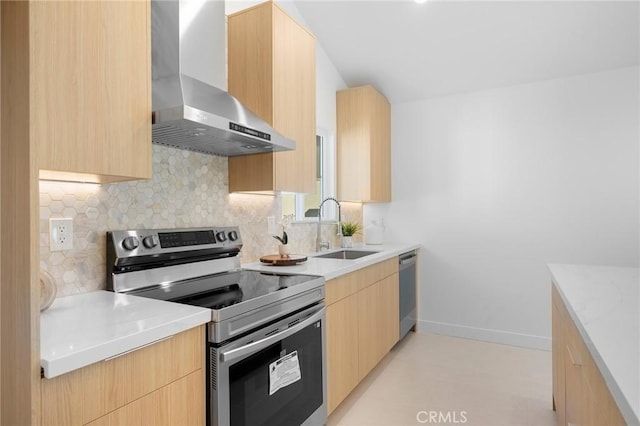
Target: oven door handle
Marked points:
267	341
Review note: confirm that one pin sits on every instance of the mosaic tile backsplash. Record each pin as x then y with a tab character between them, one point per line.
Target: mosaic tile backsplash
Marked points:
187	190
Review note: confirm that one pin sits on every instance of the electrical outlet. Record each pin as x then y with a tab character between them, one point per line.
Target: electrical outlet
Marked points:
271	225
60	234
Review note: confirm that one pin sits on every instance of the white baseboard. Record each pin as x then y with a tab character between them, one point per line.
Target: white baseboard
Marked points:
486	335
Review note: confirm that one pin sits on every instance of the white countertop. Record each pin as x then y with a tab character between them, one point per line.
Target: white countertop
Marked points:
333	268
604	303
86	328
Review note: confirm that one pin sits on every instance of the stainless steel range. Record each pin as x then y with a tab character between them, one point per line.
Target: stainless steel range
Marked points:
266	338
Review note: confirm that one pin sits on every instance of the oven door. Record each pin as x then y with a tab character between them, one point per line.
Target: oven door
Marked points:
273	376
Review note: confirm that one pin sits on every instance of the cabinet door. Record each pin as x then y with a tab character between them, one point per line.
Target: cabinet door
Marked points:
294	103
364	145
91	89
580	394
573	386
576	361
380	151
389	314
173	404
342	350
598	407
378	322
272	71
558	349
369	342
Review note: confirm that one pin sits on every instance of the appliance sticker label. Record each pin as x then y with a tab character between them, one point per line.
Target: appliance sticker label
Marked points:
284	372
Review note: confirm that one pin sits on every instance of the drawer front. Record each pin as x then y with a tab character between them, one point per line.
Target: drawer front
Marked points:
346	285
341	287
84	395
378	272
179	403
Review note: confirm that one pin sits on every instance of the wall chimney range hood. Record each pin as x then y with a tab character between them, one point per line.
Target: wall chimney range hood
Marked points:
189	113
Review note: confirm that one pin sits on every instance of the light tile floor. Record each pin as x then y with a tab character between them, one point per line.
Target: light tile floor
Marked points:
431	379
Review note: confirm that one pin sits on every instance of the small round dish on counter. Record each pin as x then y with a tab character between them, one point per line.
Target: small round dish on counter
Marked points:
277	260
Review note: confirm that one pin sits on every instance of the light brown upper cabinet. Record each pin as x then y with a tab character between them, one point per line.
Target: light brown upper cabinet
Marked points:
272	71
364	145
91	89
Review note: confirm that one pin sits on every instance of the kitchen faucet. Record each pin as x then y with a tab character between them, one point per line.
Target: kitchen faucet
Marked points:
320	243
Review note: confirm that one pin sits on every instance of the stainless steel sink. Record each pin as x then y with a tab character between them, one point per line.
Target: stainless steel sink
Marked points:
346	254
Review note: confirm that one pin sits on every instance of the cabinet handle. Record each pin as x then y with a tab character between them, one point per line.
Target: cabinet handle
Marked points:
573	361
136	349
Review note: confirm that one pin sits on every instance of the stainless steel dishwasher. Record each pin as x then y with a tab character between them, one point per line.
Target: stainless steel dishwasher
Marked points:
407	271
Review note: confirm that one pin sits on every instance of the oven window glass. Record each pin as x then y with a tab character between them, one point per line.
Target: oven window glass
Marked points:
251	403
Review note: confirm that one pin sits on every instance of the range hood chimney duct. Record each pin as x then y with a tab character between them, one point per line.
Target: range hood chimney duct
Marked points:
189	113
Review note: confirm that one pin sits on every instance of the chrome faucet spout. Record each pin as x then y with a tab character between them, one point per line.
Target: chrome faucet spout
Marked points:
319	242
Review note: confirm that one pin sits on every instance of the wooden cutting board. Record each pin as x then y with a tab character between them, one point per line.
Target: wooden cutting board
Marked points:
277	260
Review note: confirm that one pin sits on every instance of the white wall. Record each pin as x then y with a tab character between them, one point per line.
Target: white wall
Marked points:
496	184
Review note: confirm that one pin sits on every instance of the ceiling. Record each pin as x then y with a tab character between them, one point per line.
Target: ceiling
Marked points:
413	51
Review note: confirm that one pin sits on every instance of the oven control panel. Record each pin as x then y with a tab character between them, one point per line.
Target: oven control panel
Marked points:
150	242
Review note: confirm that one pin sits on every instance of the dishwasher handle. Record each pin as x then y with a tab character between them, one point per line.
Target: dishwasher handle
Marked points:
407	259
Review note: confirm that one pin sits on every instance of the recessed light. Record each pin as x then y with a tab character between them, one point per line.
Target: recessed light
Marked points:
420	1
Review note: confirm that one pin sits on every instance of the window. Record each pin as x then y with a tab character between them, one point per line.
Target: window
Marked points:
304	207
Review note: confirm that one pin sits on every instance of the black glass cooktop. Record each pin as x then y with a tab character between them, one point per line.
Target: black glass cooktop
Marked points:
221	290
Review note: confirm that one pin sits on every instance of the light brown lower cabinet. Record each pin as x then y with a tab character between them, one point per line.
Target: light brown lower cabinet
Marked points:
170	405
342	350
163	383
378	320
580	394
557	349
362	325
